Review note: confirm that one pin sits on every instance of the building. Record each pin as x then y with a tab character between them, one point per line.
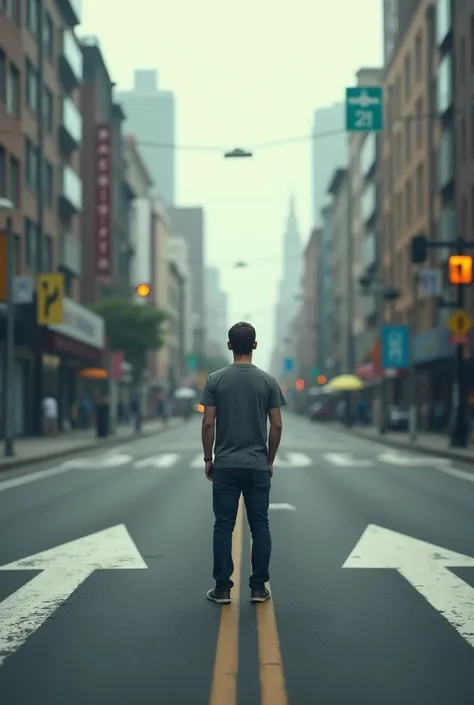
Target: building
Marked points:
178	253
364	149
107	199
161	370
150	115
175	339
289	290
44	157
139	183
188	223
324	280
341	272
215	301
308	356
329	150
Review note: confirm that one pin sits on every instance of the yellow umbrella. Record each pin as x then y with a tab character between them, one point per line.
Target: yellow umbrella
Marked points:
345	383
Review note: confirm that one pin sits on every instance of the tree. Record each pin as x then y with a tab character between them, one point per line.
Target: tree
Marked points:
133	329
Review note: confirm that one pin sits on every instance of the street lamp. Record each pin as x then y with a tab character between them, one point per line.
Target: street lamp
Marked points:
7	206
238	154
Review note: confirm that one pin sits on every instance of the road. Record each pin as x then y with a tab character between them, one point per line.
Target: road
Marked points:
372	577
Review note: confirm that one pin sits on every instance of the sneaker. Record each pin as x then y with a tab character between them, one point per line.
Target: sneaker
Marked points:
222	597
260	594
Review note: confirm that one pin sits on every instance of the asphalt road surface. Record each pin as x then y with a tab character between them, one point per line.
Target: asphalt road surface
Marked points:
105	561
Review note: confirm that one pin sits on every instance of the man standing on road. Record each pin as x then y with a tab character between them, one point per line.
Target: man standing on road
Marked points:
239	398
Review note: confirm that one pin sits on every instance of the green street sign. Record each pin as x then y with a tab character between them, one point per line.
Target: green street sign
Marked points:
192	362
364	109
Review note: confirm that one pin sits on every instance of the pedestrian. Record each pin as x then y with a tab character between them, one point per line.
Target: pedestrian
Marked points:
50	415
241	397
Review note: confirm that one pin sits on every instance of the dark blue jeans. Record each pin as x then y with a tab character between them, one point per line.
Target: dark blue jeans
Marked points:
255	486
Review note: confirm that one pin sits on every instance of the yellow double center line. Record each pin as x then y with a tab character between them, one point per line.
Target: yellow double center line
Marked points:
226	666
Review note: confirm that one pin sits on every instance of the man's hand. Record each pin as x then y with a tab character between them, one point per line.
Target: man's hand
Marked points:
209	467
270	469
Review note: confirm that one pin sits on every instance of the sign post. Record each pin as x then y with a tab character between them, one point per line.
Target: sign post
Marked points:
364	109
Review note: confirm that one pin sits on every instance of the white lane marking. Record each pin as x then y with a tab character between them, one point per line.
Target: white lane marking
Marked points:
283	506
64	568
165	460
198	462
344	460
293	460
32	477
412	460
425	566
99	462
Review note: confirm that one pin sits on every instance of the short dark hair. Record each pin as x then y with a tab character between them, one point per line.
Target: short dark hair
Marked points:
242	338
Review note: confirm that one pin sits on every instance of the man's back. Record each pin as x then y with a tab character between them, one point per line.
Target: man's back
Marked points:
242	395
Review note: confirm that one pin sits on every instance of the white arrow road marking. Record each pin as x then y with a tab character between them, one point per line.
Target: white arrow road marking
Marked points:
425	566
287	507
293	460
64	568
344	460
412	461
165	460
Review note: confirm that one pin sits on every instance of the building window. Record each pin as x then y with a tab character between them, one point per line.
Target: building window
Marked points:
14	182
420	189
12	10
418	57
48	110
419	123
462	60
48	37
48	184
3	76
407	77
3	173
408	140
463	142
13	91
31	240
32	83
47	253
32	16
408	203
31	166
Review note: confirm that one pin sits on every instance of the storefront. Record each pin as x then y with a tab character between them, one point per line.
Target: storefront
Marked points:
79	342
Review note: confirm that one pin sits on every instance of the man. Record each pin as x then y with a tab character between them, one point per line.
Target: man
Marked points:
239	398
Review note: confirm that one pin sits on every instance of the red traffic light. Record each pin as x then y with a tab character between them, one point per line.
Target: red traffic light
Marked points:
299	384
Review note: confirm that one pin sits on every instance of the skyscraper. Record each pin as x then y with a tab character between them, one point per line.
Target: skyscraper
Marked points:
329	153
288	289
150	116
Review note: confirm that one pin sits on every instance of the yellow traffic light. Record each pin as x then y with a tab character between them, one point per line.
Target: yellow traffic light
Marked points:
321	379
460	269
143	290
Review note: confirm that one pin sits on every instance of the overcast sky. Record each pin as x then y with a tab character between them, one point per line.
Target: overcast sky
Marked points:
243	74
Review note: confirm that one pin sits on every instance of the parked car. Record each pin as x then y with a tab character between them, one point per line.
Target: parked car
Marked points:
397	419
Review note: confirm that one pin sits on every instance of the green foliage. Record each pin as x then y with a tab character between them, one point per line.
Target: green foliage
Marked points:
133	328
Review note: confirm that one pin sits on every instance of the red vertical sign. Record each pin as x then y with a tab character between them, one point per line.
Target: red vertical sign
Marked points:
103	201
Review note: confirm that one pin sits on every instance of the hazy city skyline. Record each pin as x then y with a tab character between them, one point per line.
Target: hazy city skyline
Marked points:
231	93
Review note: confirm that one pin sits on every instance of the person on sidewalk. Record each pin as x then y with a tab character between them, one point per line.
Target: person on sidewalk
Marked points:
237	400
50	415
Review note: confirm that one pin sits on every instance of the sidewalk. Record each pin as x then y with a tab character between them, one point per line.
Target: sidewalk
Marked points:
28	450
429	443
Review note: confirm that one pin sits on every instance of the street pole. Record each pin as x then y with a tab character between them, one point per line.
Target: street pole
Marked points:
379	301
459	432
10	343
412	418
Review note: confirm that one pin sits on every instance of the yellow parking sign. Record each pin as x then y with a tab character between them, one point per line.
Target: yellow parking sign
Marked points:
50	297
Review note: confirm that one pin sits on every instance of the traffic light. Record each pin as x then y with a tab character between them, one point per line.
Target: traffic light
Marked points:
299	385
419	249
143	290
460	269
321	379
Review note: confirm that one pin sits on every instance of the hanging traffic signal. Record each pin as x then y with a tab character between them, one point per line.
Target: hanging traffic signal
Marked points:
143	290
419	249
299	385
321	379
460	269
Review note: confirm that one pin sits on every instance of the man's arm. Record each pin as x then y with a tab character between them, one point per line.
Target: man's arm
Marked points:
207	431
208	400
275	402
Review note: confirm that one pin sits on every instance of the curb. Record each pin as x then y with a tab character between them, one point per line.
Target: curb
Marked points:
406	445
111	441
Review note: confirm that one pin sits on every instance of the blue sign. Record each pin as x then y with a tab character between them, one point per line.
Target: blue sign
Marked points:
364	109
395	347
288	365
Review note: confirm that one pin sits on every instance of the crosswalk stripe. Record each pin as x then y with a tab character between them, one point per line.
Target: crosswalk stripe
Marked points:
165	460
198	462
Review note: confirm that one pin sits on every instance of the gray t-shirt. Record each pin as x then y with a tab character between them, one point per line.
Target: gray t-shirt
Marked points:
242	395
